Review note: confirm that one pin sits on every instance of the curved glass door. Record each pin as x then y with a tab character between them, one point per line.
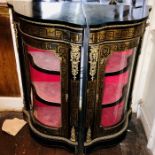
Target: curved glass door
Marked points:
115	85
44	67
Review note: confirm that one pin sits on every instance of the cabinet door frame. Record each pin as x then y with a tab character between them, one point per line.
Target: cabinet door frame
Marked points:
104	41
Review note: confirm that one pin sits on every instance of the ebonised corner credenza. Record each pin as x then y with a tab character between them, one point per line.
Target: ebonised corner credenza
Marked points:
78	64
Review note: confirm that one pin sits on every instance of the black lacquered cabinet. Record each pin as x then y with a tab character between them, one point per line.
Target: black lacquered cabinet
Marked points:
78	64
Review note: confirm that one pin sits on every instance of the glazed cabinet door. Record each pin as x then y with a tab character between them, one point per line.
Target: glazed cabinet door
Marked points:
114	78
48	90
51	58
48	77
112	57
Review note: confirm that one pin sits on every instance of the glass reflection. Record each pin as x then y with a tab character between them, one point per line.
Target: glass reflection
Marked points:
45	76
115	82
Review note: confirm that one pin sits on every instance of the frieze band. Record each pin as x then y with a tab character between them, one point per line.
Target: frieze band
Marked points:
106	33
51	32
116	33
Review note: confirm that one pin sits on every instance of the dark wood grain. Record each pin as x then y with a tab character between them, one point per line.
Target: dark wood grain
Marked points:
9	85
23	144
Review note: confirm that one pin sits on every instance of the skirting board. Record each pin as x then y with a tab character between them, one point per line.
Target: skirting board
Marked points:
141	114
11	104
149	131
151	140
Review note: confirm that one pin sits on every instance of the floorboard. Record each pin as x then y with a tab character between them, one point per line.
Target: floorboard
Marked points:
23	144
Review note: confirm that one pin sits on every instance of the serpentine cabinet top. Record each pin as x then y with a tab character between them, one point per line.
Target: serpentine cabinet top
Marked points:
79	14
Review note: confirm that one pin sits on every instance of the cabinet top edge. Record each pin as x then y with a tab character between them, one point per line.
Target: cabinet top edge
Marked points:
77	14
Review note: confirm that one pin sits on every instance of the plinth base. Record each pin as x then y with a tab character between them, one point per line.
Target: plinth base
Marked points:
97	143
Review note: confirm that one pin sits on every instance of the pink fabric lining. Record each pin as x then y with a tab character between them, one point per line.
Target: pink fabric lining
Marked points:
48	87
118	61
41	76
113	87
49	91
112	115
47	115
46	60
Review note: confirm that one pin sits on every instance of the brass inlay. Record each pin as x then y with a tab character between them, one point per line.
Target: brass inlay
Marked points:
106	48
47	43
42	39
93	58
88	137
75	59
73	134
97	35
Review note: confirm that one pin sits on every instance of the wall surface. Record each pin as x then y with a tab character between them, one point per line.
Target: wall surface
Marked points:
144	90
10	90
8	73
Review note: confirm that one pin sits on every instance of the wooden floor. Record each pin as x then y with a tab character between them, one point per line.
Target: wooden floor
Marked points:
24	144
8	74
